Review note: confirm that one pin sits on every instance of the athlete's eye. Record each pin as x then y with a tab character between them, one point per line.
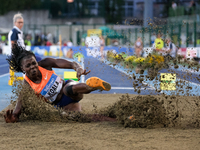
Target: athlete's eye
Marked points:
28	65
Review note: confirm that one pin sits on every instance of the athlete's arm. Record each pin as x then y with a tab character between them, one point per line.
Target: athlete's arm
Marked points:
49	63
13	116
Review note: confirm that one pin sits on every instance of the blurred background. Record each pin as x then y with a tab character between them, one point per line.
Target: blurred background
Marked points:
121	21
119	31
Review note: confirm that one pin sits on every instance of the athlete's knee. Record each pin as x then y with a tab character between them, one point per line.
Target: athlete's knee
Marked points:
68	90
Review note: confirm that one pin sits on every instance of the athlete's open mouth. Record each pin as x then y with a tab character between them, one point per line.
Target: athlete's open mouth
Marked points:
34	72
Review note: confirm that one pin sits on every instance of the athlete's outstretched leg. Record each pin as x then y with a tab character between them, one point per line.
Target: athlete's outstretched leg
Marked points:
76	90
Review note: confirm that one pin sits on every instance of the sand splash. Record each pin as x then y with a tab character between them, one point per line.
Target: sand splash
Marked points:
135	112
34	107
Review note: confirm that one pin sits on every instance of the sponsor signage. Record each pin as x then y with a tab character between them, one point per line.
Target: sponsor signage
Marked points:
168	81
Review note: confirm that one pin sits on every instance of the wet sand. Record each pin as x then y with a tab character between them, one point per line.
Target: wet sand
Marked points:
100	135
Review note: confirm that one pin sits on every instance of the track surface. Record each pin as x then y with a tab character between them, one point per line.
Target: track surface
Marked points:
117	76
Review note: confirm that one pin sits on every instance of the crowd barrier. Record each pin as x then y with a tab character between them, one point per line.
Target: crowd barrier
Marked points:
56	51
85	51
189	52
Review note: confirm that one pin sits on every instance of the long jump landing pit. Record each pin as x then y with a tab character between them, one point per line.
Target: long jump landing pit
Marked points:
182	113
175	125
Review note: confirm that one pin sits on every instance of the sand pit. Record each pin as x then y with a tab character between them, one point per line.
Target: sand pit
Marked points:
142	122
178	130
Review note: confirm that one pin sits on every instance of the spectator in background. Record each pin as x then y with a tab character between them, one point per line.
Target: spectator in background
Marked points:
38	40
69	44
82	42
115	42
158	44
174	5
64	43
48	43
50	37
16	35
1	47
192	7
28	40
153	38
69	53
102	45
43	37
138	47
171	48
169	52
3	39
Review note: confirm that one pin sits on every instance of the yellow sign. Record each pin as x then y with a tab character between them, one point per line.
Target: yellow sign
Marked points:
92	32
168	81
13	77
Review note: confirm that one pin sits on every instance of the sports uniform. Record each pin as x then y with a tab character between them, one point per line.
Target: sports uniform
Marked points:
49	87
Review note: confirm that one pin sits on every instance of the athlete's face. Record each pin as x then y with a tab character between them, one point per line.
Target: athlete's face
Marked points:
19	23
30	66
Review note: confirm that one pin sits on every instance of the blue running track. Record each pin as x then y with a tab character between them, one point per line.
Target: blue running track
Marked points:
119	78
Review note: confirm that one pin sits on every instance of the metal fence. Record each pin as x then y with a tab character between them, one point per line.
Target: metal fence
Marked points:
184	34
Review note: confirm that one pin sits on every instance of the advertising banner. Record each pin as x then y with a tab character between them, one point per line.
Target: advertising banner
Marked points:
191	52
168	81
85	51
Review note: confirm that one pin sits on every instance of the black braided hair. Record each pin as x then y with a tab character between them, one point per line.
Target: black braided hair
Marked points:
17	54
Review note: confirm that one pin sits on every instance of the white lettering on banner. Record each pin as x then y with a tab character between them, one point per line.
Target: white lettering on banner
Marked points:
54	50
191	52
179	52
147	51
95	52
39	51
7	50
65	50
198	52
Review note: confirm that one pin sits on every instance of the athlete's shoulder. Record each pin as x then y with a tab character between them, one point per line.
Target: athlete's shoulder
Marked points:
44	67
25	81
46	63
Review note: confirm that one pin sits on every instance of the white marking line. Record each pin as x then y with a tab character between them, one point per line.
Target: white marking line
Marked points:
4	65
189	82
4	75
149	84
131	76
154	88
129	88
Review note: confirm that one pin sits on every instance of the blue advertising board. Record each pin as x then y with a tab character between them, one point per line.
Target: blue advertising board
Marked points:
85	51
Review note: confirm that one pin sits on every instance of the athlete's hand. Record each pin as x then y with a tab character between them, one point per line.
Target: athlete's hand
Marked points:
9	117
80	72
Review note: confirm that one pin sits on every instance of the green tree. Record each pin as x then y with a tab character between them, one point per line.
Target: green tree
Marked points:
9	5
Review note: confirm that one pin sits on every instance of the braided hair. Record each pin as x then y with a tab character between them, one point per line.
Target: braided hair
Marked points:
17	54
